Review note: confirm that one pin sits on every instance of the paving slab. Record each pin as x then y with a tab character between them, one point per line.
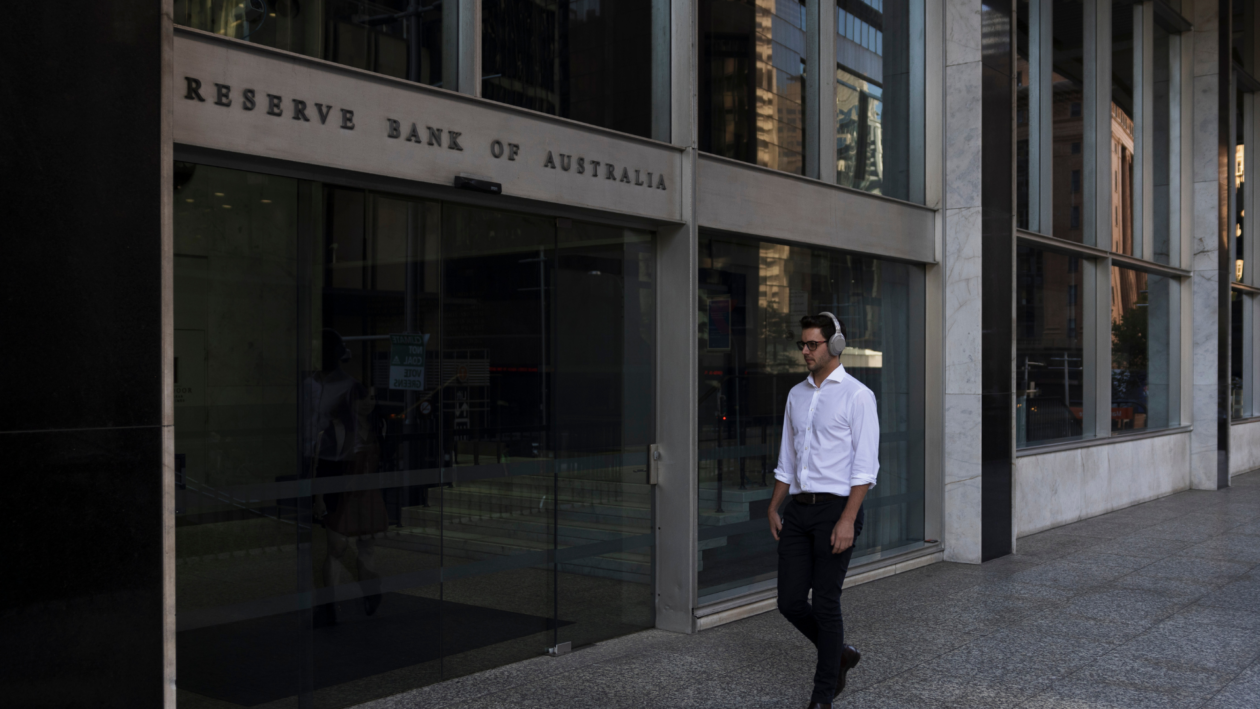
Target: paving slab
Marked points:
1157	605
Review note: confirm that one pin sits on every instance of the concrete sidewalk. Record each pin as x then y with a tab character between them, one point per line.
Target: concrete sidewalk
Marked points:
1153	606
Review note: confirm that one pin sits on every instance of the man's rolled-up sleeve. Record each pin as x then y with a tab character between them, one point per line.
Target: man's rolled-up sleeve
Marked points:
785	471
864	427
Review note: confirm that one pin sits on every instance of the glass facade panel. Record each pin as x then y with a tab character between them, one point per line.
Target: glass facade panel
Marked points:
1067	80
1049	347
410	438
236	431
1024	139
1237	359
752	297
397	38
588	60
752	81
1239	244
1141	374
873	85
1122	143
1166	62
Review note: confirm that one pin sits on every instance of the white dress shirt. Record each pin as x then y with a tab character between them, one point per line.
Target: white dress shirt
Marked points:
830	436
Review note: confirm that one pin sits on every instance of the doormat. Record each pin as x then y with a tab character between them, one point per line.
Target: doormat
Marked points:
253	662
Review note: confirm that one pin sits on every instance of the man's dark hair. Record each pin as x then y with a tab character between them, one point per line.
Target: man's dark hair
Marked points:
822	322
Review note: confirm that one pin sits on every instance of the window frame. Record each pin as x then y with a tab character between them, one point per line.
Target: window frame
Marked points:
1095	250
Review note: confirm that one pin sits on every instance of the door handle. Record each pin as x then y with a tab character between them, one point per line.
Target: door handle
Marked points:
653	464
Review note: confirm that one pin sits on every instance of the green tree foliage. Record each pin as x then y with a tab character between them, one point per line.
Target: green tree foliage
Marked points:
1128	339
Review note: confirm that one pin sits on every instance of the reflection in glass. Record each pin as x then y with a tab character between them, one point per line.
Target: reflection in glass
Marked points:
752	297
1161	120
1140	350
1237	361
752	81
357	33
873	84
588	60
1023	118
1049	347
410	438
1067	81
236	347
1240	184
1122	144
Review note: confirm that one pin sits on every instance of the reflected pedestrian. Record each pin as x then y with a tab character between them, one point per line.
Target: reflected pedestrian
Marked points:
344	444
828	460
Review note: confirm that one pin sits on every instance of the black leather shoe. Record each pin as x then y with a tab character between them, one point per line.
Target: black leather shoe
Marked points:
818	705
849	657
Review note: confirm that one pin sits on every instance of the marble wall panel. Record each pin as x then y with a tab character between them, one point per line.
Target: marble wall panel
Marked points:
963	305
1062	487
1244	447
1203	469
962	521
1048	490
1205	14
962	135
1095	481
1206	114
962	32
962	437
1174	449
1206	290
1206	234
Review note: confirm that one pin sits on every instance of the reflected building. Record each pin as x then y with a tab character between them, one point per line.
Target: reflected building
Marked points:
752	78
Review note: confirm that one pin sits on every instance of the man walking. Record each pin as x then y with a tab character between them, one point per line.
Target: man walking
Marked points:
828	460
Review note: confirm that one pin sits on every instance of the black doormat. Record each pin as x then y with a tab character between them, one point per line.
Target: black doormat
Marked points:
252	662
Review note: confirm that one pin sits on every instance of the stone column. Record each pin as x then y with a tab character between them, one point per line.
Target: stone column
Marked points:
86	429
1211	163
962	270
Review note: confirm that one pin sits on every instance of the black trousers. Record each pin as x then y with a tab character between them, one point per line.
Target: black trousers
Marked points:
806	563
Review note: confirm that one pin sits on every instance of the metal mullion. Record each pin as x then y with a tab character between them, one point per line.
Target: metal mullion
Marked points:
467	27
1184	84
676	495
1097	134
1061	245
1231	217
933	104
918	97
662	37
1144	131
1251	363
1249	240
823	122
1249	302
1096	399
1050	243
1158	269
1175	153
1041	116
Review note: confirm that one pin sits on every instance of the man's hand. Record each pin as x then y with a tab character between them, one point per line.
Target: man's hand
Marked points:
776	523
841	536
776	503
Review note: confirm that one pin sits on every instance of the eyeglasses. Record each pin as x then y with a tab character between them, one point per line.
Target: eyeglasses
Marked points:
812	344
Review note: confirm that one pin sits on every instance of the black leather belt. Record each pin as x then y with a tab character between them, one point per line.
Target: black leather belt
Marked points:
814	498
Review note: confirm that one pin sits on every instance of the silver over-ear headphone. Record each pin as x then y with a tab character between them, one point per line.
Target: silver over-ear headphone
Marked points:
835	345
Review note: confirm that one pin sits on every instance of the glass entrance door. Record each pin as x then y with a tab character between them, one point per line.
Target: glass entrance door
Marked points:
413	439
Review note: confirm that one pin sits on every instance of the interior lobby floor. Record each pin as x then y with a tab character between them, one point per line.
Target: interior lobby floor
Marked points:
1157	605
